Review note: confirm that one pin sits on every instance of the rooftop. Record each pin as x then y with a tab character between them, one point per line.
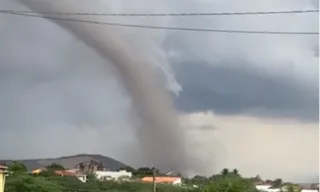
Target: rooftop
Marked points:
3	167
161	179
68	173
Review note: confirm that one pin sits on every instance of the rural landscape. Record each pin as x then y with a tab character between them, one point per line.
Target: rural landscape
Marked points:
110	175
159	95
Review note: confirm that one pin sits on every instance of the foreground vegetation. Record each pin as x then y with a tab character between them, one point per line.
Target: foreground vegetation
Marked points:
29	183
20	181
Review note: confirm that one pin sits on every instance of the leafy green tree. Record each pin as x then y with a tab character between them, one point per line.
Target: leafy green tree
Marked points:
46	173
17	167
128	169
196	181
269	181
225	172
290	187
277	183
49	170
230	184
146	171
235	172
55	166
91	177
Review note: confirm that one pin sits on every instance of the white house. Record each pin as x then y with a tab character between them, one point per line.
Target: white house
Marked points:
309	190
112	175
82	177
267	188
263	187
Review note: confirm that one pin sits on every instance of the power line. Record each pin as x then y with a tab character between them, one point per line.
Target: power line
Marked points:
165	14
162	27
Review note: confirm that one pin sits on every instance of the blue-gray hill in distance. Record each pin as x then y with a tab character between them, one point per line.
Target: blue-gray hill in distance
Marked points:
69	161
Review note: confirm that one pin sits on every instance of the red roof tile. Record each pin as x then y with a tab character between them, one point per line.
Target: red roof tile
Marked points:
67	173
3	167
161	179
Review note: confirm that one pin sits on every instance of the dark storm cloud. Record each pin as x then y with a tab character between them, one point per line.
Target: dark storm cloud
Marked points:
239	90
262	75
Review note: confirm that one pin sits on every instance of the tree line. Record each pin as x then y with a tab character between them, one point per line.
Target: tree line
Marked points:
19	180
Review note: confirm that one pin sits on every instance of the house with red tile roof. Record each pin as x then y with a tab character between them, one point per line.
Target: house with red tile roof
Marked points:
163	180
66	173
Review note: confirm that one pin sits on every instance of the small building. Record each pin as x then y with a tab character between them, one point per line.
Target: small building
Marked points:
37	171
267	188
313	187
62	173
3	174
113	175
163	180
80	176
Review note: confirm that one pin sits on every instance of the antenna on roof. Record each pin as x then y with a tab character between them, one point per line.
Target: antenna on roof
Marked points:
154	179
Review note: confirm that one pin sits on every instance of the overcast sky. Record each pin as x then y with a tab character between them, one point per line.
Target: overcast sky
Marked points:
248	101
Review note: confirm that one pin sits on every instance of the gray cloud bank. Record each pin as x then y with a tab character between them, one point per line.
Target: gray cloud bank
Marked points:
269	75
240	90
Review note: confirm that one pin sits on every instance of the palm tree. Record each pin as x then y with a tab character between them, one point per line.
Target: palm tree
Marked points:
225	172
235	172
17	167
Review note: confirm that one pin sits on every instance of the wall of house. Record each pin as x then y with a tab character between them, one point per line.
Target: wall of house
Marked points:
263	187
115	175
82	178
309	190
266	188
2	181
177	182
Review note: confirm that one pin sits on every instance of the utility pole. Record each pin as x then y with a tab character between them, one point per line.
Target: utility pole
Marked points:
154	179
